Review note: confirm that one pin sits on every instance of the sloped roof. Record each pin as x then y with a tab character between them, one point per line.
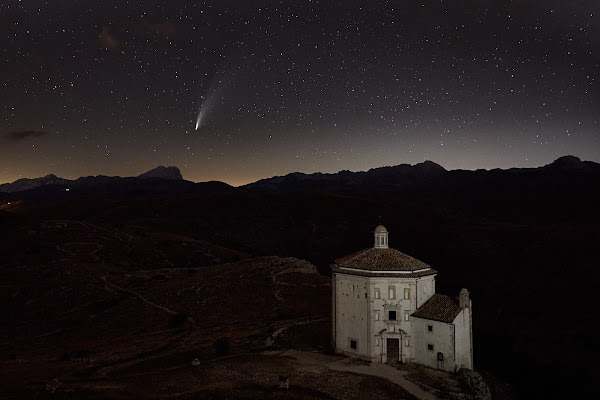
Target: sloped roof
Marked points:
439	308
373	259
384	274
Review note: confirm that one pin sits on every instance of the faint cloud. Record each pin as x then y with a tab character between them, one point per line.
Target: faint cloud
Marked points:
108	40
17	136
121	35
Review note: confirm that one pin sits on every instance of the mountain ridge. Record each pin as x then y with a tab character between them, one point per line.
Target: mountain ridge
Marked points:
397	177
405	175
160	172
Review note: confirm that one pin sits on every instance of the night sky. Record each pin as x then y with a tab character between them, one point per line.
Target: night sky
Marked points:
118	87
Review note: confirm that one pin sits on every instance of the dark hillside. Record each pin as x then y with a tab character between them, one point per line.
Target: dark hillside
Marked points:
523	241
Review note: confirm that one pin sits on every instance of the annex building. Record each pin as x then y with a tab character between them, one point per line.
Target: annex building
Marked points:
385	309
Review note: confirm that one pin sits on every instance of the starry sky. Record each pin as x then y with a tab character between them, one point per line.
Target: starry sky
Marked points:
237	91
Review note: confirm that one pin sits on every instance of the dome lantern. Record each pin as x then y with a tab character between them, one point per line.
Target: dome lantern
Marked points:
381	237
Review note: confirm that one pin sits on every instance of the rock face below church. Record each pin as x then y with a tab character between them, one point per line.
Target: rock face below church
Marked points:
172	173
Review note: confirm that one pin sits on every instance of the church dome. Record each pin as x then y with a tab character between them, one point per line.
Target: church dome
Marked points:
375	259
380	260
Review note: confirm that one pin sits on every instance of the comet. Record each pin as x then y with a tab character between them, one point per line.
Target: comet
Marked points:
215	93
202	112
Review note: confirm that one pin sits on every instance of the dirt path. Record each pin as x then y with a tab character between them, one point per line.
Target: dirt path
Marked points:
145	300
349	365
302	266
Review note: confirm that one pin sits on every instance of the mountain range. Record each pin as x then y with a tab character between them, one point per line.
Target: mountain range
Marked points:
407	176
397	178
160	172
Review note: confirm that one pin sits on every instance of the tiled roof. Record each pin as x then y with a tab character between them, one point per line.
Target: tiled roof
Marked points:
373	259
338	270
439	308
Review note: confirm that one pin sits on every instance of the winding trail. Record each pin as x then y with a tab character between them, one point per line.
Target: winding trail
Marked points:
145	300
346	364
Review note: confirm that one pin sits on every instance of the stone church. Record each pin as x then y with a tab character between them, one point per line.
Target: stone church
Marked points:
385	309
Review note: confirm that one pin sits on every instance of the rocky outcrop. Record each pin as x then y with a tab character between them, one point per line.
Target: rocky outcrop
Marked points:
161	172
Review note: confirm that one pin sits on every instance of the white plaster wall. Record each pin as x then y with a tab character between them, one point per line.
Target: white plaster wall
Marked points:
442	339
425	289
352	315
392	328
356	319
464	339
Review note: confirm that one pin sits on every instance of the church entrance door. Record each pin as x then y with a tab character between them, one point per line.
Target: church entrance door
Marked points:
393	351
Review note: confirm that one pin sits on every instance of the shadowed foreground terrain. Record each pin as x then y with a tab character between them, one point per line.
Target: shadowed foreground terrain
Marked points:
91	323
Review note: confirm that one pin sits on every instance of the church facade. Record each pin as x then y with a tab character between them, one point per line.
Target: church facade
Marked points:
385	309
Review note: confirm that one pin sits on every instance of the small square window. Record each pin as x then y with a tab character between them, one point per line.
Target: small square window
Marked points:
430	347
429	328
353	344
392	315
